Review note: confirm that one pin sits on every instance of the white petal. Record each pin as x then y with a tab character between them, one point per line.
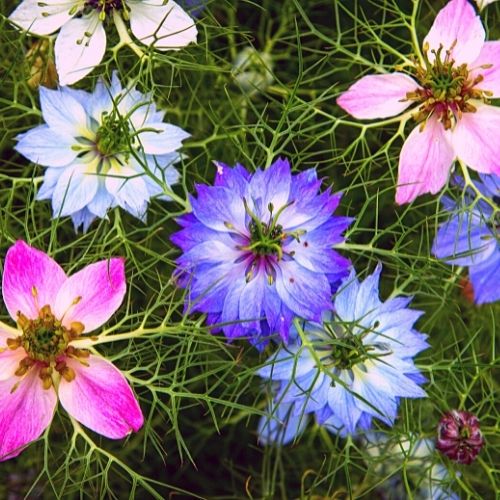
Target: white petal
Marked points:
43	18
164	26
75	189
79	48
163	138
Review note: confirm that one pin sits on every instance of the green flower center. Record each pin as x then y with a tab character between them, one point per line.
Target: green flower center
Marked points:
447	88
113	136
44	338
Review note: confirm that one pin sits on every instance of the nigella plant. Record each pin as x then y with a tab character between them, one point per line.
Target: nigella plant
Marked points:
41	361
449	86
81	43
102	149
258	250
470	238
352	367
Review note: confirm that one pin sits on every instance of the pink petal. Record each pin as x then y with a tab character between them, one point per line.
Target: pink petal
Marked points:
457	22
24	413
490	54
476	139
377	96
9	362
92	295
100	398
27	269
424	162
7	332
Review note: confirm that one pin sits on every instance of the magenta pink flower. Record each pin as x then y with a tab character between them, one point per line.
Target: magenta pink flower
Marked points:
40	361
459	436
450	90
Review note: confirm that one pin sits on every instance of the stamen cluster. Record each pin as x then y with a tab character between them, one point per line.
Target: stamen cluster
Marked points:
447	89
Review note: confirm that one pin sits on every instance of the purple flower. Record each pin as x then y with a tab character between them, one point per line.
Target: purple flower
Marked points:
459	436
257	250
470	238
354	366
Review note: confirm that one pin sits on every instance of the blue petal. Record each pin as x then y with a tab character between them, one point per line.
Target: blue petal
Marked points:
485	279
46	147
281	426
464	240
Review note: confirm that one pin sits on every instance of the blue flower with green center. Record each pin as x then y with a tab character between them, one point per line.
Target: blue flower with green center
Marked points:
258	250
471	237
351	367
102	149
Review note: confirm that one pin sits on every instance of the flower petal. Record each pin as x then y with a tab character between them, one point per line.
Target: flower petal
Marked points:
24	413
424	162
75	189
378	96
43	18
489	55
165	27
484	278
7	332
92	295
46	147
28	270
63	113
281	425
475	139
164	138
100	398
9	361
79	48
456	26
129	189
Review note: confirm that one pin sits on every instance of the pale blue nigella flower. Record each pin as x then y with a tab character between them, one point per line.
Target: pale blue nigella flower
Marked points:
102	149
352	367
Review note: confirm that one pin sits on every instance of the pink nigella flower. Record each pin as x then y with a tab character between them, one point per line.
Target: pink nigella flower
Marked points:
40	361
450	90
459	436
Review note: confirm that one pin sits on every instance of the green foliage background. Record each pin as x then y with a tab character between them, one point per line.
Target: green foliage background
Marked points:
200	396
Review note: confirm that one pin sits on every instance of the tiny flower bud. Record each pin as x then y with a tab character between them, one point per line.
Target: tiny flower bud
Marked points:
459	436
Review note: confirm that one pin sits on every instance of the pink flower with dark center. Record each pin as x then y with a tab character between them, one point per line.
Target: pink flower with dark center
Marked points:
450	88
459	436
40	361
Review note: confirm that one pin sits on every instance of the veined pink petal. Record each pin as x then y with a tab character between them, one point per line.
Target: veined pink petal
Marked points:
100	398
79	48
24	413
490	54
476	139
9	362
378	96
424	162
92	295
31	279
7	332
456	25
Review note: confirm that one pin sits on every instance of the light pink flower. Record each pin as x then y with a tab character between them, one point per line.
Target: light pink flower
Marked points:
40	362
451	90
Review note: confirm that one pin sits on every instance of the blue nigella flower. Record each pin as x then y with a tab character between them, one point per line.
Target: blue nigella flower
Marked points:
354	366
102	149
257	250
470	238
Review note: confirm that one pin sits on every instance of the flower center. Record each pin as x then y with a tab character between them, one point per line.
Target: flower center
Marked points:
113	135
44	338
447	89
105	6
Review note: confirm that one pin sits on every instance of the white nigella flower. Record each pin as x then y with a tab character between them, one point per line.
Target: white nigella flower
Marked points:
81	42
104	149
